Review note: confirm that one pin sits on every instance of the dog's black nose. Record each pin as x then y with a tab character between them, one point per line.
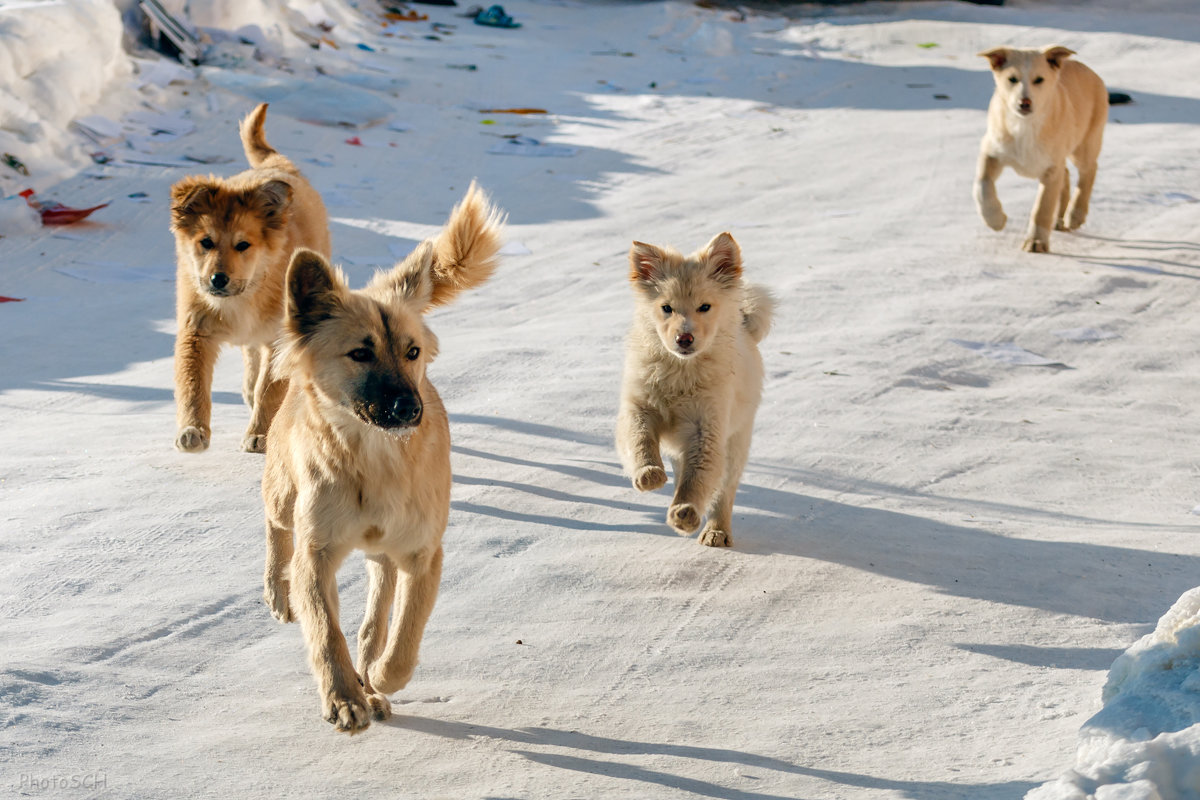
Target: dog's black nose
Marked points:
1026	103
684	340
404	409
219	280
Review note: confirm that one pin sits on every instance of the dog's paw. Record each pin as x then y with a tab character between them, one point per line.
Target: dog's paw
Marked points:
346	713
684	518
1036	244
713	536
1061	225
275	593
1076	219
384	682
254	443
191	440
381	707
995	218
647	479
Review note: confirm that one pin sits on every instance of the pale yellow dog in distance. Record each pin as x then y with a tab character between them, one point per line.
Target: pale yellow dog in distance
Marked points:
1046	108
359	458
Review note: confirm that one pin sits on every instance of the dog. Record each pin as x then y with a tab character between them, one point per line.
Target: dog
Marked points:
359	457
233	239
693	379
1045	109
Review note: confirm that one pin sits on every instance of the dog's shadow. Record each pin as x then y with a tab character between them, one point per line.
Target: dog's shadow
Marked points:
577	752
1148	264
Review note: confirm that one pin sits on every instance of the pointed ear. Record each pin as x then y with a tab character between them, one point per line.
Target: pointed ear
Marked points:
723	258
645	263
412	278
997	55
271	201
313	292
190	198
1056	54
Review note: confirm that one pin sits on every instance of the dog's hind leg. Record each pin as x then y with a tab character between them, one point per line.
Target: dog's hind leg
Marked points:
701	464
268	394
1085	159
314	590
718	530
420	575
372	636
276	586
638	431
252	362
195	355
1064	196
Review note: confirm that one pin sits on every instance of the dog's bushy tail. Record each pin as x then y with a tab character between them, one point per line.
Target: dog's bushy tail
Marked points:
465	253
757	309
258	152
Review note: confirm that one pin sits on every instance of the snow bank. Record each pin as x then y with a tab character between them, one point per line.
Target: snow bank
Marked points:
56	61
1145	743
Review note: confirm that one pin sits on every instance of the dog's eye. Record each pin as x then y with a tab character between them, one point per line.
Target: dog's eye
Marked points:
667	309
1038	80
412	353
207	243
1012	78
242	247
361	354
704	307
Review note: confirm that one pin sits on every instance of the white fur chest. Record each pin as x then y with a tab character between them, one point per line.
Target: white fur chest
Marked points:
1019	146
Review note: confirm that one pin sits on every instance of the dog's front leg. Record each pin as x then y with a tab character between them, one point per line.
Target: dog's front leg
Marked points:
372	636
1045	209
638	431
268	395
314	593
986	199
420	574
700	467
252	363
195	355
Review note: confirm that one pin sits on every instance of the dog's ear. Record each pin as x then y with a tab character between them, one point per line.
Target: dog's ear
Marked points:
313	292
997	55
412	278
1056	54
190	198
723	258
271	201
645	264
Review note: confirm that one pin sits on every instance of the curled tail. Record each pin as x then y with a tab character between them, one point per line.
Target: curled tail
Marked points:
466	250
757	309
254	142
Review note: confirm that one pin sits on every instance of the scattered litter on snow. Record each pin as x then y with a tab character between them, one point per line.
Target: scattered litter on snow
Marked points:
55	213
527	146
7	299
1008	353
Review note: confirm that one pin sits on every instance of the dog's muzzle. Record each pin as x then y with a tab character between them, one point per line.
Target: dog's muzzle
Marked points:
390	406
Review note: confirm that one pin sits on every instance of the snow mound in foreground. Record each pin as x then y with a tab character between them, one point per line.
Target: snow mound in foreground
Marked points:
1145	743
55	60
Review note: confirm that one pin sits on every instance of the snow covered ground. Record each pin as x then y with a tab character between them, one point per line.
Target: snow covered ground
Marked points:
938	554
